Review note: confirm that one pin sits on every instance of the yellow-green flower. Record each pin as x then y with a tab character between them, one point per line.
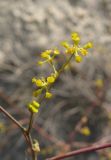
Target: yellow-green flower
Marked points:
36	104
35	146
43	82
40	62
75	38
65	44
48	95
88	45
78	58
34	80
85	131
70	50
56	51
76	49
51	79
39	82
33	107
83	51
49	56
46	54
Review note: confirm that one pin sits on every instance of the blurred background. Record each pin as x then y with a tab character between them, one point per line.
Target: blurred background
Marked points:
80	112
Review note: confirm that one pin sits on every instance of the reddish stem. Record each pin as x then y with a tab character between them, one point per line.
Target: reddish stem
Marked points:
80	151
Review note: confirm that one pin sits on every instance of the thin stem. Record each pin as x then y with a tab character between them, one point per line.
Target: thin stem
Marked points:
31	144
12	118
24	131
30	122
80	151
64	65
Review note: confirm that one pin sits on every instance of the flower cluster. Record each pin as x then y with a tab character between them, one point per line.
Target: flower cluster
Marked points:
48	56
76	49
42	85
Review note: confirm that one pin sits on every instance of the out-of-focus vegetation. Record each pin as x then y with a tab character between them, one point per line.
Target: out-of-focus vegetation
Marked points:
79	114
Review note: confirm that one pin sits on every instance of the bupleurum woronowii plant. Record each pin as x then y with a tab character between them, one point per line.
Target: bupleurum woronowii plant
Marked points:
43	85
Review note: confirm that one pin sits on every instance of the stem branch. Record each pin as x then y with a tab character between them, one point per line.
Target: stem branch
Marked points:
12	118
24	131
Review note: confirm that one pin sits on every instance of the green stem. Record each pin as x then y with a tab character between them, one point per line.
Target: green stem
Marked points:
64	65
30	122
